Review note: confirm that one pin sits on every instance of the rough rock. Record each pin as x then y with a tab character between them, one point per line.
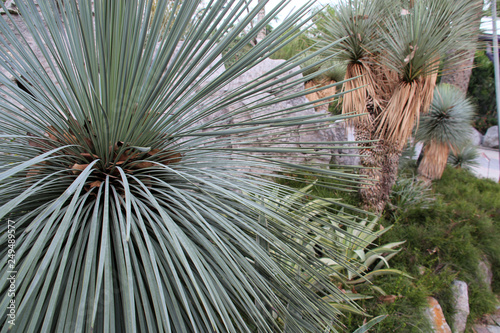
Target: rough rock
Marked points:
486	329
476	138
436	317
461	306
495	317
418	150
485	272
490	139
492	319
348	156
296	135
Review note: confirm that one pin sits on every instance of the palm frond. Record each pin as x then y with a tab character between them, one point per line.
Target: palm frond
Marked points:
355	23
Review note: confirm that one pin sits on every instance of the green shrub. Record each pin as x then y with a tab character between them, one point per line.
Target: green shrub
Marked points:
448	240
445	240
408	193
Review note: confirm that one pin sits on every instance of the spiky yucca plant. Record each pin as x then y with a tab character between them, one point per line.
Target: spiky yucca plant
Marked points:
393	49
447	126
354	23
133	186
323	85
464	157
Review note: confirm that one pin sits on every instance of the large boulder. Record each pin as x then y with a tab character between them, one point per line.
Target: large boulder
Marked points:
476	138
347	154
295	136
490	139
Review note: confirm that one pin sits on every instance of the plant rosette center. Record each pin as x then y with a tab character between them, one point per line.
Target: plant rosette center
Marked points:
131	159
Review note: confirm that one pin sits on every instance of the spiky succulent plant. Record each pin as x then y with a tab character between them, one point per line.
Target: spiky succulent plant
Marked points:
449	118
393	50
464	157
134	180
445	127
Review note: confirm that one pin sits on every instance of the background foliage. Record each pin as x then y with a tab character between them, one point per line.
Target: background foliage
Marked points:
482	92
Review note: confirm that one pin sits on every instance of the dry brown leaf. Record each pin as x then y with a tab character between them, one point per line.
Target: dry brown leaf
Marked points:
89	156
432	251
388	299
96	183
154	151
33	143
77	168
123	157
172	158
142	165
411	55
51	134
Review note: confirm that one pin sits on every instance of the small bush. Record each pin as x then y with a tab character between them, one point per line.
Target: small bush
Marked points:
408	193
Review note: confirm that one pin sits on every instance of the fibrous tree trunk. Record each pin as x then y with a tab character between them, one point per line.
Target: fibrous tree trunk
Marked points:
379	157
434	160
380	161
321	106
260	17
460	76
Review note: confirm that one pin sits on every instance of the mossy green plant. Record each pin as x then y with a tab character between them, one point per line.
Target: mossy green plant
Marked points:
448	240
444	241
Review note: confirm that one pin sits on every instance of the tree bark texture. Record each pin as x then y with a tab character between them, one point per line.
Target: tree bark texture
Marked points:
460	77
435	157
380	161
260	17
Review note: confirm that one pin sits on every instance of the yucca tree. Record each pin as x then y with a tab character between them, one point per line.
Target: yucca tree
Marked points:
447	126
393	49
324	82
132	195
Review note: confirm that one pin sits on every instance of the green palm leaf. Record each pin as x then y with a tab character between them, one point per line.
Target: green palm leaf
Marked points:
139	197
